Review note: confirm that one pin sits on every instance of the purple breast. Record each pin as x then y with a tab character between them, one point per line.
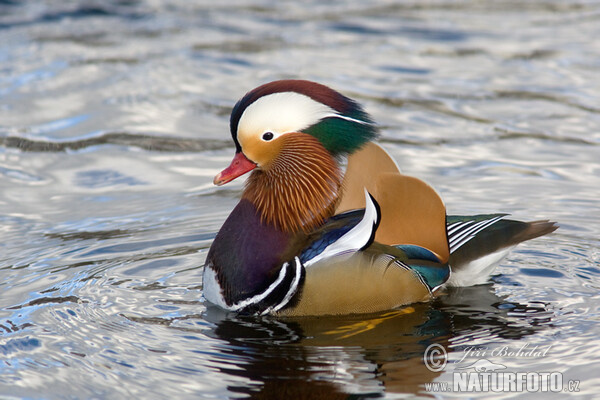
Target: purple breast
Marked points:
246	254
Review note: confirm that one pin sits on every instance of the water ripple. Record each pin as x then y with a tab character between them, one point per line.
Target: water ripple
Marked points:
114	120
142	141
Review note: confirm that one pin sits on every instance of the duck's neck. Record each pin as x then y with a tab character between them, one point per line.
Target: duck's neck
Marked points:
299	189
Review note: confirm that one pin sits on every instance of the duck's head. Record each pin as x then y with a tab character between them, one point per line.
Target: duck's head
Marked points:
314	118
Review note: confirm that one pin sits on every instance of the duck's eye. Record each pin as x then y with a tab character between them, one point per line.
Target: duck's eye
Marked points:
267	136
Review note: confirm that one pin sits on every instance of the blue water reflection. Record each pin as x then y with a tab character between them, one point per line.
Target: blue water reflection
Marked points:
114	121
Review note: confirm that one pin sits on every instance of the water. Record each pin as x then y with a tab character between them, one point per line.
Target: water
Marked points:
114	119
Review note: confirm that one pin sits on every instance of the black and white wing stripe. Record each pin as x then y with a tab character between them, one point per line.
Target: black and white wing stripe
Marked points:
460	232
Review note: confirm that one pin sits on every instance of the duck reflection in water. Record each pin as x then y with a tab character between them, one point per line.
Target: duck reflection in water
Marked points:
366	355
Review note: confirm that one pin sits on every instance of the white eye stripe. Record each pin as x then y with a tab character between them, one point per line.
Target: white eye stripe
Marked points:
274	134
282	113
340	116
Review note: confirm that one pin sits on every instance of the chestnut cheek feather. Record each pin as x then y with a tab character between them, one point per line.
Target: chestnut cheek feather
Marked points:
299	188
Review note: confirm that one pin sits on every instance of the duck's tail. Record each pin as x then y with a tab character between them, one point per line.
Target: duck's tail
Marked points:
478	243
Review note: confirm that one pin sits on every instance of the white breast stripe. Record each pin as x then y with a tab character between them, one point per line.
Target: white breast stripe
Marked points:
356	238
261	296
291	292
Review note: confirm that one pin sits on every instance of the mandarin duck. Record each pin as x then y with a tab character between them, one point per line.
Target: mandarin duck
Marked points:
327	224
